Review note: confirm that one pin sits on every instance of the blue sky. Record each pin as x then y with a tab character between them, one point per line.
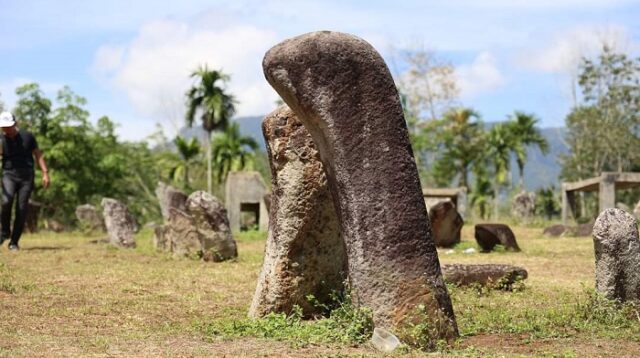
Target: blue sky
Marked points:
131	59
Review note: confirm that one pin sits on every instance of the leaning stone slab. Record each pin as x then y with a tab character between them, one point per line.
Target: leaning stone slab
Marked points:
446	224
304	254
121	225
212	223
170	197
617	249
489	275
490	235
343	93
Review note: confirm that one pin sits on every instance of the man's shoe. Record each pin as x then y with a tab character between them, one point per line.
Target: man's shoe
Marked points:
14	247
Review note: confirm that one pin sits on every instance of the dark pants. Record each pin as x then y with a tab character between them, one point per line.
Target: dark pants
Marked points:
15	183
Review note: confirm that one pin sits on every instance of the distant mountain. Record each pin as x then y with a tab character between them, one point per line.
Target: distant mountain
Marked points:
539	171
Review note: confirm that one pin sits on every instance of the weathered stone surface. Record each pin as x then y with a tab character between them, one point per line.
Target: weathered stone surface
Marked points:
120	224
160	240
343	93
490	235
584	230
33	213
617	249
181	233
170	197
557	230
210	219
304	254
54	225
490	275
524	205
446	224
89	218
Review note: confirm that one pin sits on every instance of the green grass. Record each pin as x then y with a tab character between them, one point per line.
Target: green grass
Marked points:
68	295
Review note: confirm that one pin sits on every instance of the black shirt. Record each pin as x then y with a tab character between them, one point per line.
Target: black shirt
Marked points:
17	152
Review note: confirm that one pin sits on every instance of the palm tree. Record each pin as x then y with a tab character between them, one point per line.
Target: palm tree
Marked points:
499	147
524	133
462	141
188	151
232	151
214	104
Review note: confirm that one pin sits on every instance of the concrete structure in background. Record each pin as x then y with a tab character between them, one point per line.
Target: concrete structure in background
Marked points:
606	185
458	196
245	192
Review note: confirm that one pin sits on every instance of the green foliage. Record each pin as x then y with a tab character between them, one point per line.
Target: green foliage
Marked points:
215	105
345	325
461	141
547	204
188	150
603	131
523	134
232	151
86	162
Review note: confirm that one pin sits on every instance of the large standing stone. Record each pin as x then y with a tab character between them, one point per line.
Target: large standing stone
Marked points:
490	275
181	235
490	235
343	93
617	249
210	219
446	224
121	225
304	254
170	197
89	217
524	205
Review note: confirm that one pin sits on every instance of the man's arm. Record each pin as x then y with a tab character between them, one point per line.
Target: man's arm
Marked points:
43	167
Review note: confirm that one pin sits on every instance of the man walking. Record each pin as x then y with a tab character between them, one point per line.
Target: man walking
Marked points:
18	150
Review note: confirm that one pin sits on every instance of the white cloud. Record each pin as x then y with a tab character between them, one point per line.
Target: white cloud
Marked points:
565	50
479	77
154	68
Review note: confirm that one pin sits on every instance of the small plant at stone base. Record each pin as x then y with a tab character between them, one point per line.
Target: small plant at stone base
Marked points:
422	332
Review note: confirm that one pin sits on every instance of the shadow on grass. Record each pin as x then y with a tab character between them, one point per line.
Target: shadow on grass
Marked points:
45	248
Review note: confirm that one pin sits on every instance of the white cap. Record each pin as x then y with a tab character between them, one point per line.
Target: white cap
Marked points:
7	119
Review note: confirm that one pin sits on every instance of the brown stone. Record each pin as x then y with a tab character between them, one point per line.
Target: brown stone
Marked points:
490	235
343	93
304	253
33	213
489	275
446	224
182	235
557	230
617	251
121	225
584	230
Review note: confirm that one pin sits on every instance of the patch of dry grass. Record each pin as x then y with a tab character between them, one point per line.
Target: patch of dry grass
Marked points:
65	295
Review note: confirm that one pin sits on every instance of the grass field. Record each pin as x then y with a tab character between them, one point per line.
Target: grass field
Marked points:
72	295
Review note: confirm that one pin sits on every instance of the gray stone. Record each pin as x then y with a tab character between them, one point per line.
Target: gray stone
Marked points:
121	225
245	192
170	197
212	224
584	230
489	275
304	253
343	93
490	235
160	239
446	224
617	250
524	205
182	235
636	210
89	218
